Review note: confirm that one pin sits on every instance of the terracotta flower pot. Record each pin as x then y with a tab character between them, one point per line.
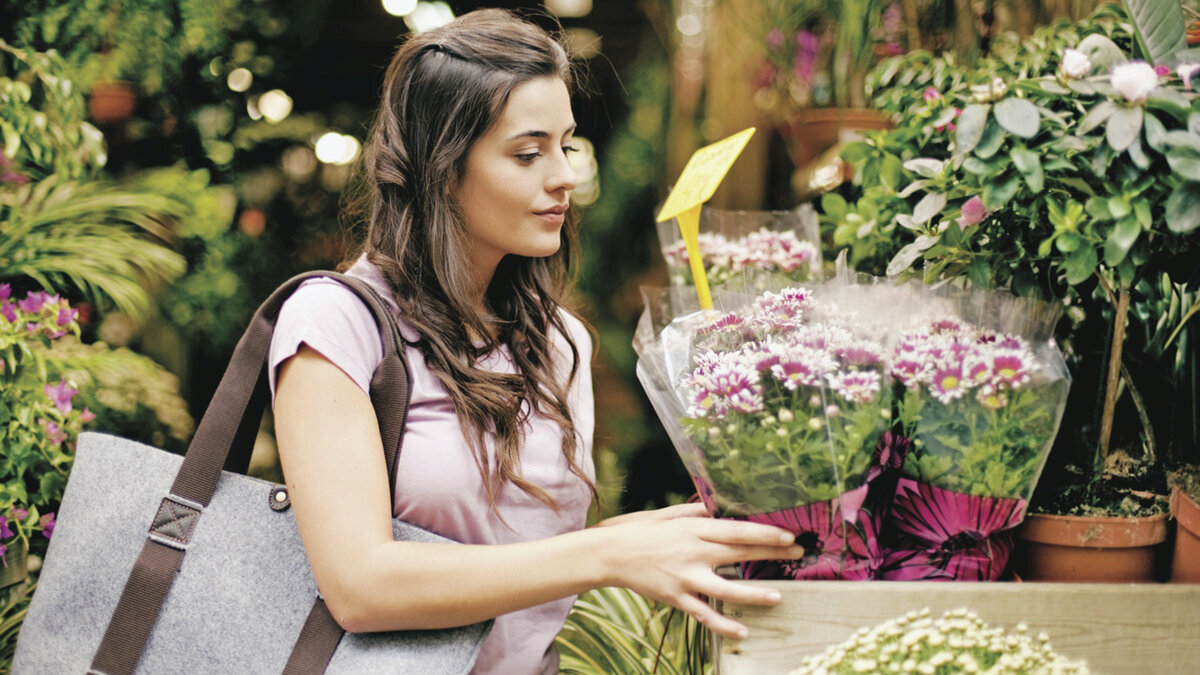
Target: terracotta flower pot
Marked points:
1185	566
812	131
1079	548
112	102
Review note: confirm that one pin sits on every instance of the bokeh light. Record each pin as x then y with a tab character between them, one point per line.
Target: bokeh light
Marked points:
337	149
399	7
275	105
569	8
429	15
240	79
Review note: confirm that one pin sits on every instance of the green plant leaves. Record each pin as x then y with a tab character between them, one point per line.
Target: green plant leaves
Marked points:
1183	208
1000	192
970	127
1018	116
1185	161
908	255
1156	133
1102	52
1080	264
1030	166
1120	240
1096	116
929	206
1158	26
1123	126
993	138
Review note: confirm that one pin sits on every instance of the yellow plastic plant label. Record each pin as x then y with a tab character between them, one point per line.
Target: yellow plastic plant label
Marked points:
696	185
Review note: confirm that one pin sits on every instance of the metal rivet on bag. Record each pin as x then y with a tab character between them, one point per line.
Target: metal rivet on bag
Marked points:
279	500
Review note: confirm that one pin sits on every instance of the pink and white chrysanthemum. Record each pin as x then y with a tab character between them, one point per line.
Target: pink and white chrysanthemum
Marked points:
991	398
1011	367
911	372
860	353
946	383
727	386
855	387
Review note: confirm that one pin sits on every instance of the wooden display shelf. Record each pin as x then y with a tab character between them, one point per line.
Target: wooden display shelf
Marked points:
1116	628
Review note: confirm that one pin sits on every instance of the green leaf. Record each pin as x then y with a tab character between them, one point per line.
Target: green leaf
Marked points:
1120	240
1018	116
993	138
1068	242
1102	52
1123	126
1051	86
1141	211
1029	165
1184	161
1000	192
1183	208
970	127
1096	116
929	206
1169	100
1119	207
1156	133
1138	154
1158	27
833	205
980	272
908	255
925	167
1080	264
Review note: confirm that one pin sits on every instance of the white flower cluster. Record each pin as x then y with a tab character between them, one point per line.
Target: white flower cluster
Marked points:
958	641
762	249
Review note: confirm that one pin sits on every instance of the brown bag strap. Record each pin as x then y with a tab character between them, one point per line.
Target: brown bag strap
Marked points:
225	438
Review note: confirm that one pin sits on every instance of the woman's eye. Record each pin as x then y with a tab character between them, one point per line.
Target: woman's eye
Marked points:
569	149
528	156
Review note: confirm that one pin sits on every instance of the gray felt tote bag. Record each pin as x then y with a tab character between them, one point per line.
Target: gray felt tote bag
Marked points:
169	564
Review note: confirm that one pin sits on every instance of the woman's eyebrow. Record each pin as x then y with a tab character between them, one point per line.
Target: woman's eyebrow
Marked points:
537	133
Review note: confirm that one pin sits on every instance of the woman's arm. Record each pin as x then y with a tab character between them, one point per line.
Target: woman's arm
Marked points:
332	456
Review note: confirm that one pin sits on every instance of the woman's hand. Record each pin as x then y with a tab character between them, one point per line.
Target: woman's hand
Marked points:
669	555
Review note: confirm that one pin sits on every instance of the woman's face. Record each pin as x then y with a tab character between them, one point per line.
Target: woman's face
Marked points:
516	188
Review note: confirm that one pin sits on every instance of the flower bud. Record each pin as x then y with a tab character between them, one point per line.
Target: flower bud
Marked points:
1134	81
832	411
781	432
1075	64
814	423
786	416
814	401
986	93
768	421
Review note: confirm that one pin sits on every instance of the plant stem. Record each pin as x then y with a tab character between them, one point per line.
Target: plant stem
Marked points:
1140	404
1114	371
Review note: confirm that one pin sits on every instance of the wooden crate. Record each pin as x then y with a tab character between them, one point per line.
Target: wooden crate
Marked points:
1116	628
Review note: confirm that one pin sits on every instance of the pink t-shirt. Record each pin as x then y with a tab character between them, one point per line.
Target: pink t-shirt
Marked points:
438	486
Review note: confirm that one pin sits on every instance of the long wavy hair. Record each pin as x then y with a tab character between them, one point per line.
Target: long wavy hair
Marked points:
443	90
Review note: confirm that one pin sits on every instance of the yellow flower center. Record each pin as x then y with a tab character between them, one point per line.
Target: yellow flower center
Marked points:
949	383
1007	373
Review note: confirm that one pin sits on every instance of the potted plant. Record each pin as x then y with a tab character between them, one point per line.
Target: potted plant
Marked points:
1185	508
812	83
1067	175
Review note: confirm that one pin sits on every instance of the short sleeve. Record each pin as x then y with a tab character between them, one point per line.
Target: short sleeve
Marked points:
332	320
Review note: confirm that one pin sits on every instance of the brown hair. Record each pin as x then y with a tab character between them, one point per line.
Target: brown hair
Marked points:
443	90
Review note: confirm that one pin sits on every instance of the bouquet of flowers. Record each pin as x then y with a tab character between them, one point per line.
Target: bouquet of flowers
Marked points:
785	243
777	409
981	402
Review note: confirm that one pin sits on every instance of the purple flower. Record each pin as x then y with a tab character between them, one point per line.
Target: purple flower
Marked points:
9	310
794	374
910	372
66	315
833	548
932	94
19	513
5	291
86	416
5	531
54	433
973	213
806	57
858	354
891	450
32	304
61	394
1161	70
48	522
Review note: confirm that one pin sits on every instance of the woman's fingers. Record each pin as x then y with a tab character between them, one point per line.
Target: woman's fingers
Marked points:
742	533
711	618
731	591
696	510
722	554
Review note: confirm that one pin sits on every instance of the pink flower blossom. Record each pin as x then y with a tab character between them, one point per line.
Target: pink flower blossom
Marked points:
973	213
1010	368
86	416
61	394
54	433
1161	70
775	38
947	383
48	523
1186	71
66	315
860	387
8	310
5	532
32	304
932	94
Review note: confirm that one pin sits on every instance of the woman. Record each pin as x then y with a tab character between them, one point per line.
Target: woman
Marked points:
468	232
